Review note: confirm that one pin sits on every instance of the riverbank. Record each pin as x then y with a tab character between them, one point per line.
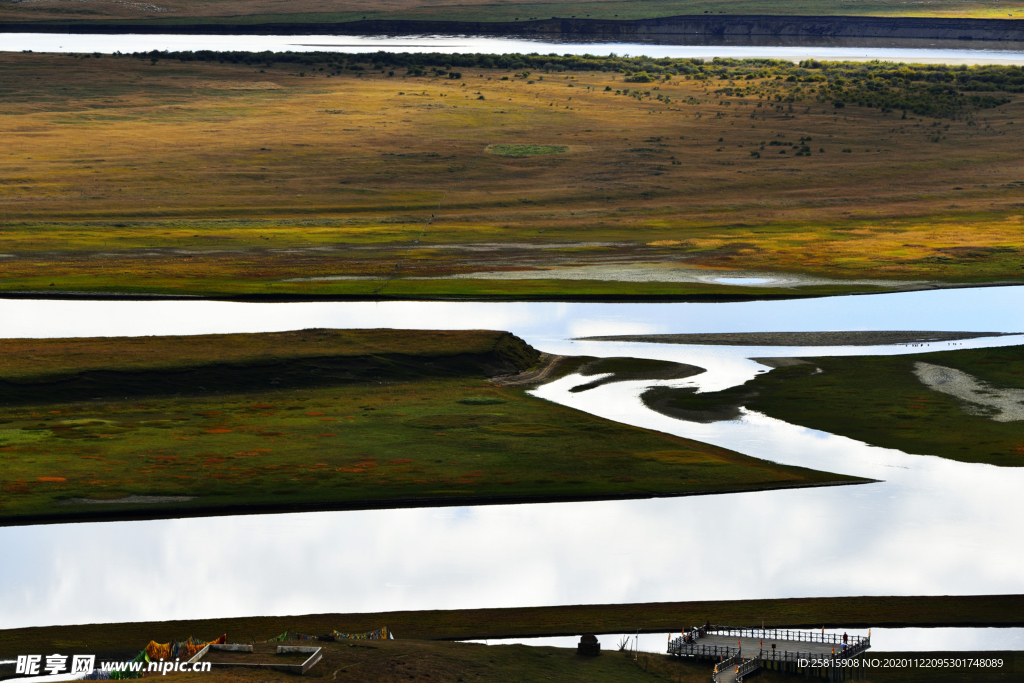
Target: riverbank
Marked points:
961	405
846	338
481	624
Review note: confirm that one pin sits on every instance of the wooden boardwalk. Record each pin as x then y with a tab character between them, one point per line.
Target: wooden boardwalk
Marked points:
739	652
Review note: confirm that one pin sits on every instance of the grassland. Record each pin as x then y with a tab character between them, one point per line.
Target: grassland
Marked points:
318	420
325	176
418	633
390	661
320	11
878	400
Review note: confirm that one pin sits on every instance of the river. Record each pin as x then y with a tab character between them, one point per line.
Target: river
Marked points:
923	51
930	526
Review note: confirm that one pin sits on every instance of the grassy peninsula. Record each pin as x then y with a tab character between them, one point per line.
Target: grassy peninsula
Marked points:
118	428
422	176
882	401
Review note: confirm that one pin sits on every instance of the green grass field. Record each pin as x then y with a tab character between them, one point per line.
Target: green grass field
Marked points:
879	400
319	419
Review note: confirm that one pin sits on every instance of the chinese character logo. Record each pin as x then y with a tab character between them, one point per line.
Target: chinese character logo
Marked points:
83	664
28	664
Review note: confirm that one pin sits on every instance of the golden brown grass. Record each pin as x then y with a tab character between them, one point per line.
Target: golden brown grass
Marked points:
257	11
211	178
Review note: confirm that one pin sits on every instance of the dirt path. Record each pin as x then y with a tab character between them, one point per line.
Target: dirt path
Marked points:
548	364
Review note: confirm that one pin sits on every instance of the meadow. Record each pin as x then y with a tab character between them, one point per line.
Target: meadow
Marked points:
317	420
419	176
878	400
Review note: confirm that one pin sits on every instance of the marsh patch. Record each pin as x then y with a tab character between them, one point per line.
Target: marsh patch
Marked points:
626	369
15	437
481	400
527	150
528	429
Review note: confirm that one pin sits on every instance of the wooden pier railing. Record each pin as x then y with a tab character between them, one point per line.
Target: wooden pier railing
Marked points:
782	634
725	664
682	649
817	664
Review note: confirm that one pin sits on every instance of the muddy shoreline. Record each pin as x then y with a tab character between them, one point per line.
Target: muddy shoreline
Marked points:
693	27
851	338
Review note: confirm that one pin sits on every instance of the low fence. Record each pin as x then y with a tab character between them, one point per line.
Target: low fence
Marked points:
747	667
833	667
783	634
727	664
817	664
680	648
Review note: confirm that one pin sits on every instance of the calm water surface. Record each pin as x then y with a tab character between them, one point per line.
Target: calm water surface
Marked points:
945	52
930	526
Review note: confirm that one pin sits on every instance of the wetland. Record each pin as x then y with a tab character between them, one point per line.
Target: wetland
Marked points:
916	501
517	465
675	179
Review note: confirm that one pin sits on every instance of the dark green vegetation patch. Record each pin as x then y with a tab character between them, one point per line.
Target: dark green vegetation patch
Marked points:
936	90
875	399
526	150
626	369
63	370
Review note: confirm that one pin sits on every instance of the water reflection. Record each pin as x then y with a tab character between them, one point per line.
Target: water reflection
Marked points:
991	309
685	46
930	527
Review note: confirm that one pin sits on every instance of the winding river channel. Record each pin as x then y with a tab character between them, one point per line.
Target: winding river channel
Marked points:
928	526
